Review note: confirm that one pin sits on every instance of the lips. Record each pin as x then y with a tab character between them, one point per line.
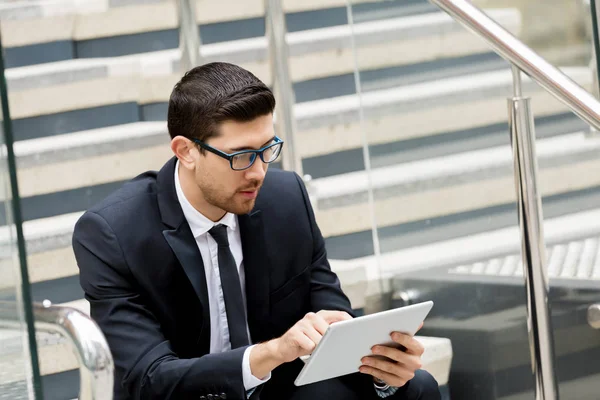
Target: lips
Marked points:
250	190
249	194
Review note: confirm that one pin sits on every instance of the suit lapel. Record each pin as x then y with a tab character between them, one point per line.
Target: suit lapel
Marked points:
182	242
256	267
184	246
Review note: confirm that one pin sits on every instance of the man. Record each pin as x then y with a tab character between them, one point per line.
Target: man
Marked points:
206	289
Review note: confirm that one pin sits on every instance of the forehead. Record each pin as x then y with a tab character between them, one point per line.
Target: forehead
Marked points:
234	134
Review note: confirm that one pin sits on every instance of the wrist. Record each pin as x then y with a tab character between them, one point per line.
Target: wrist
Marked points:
264	358
273	353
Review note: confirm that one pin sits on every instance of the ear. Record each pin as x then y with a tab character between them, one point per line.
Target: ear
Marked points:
186	151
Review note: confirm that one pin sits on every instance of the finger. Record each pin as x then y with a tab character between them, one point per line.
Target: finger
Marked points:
303	342
334	316
317	322
311	333
412	361
411	344
388	378
385	365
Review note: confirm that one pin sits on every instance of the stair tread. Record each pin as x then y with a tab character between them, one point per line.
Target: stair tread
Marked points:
243	50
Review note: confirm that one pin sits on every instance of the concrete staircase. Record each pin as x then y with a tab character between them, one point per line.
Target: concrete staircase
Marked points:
89	83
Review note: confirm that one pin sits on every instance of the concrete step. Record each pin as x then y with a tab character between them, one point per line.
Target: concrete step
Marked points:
95	157
434	26
423	109
37	32
422	190
466	251
420	148
462	254
436	187
50	98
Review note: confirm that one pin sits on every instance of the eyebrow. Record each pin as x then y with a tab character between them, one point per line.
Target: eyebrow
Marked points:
250	148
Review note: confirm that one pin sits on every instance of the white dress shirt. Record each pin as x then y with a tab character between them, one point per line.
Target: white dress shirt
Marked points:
200	225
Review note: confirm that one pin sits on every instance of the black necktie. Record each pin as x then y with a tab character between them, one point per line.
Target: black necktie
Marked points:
232	291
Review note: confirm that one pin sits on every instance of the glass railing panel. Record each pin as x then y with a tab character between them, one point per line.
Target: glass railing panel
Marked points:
563	35
434	119
572	239
19	372
89	84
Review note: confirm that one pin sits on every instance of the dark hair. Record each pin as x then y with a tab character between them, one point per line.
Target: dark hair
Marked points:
213	93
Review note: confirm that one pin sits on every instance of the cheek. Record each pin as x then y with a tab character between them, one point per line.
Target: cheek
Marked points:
222	179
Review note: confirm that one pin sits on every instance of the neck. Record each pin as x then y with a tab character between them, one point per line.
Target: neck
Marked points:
193	194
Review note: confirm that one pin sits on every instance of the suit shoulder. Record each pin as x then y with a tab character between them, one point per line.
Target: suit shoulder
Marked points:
279	177
281	190
130	196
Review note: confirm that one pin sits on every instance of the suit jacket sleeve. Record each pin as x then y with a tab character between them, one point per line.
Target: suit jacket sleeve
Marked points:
144	360
326	292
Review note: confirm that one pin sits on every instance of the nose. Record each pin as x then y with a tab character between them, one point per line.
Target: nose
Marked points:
257	171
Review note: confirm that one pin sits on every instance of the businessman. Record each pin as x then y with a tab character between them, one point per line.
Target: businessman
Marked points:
209	278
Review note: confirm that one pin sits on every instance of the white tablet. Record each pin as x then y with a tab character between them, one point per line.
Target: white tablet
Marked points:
345	343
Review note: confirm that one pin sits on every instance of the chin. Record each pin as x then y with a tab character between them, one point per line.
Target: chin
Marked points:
243	208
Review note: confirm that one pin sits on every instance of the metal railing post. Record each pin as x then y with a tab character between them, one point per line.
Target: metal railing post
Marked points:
531	220
282	84
189	35
595	64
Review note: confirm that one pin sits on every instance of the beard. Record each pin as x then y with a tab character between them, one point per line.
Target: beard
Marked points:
230	202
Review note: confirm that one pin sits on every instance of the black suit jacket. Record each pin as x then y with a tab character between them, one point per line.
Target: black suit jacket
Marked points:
142	272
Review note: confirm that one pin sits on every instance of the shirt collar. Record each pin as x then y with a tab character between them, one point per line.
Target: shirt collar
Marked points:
199	224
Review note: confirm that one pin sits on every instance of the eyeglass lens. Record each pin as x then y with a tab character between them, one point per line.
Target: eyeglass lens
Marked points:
244	160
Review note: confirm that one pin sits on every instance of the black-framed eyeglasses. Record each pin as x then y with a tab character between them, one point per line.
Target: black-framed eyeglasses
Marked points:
241	160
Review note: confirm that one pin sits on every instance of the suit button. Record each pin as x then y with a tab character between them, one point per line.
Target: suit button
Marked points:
202	397
223	396
210	397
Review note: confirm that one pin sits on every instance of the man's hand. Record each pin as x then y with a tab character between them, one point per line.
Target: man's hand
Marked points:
300	340
397	366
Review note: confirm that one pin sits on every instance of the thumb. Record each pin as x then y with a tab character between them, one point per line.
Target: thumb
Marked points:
420	326
331	316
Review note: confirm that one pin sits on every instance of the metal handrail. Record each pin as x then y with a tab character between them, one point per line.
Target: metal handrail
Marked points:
96	366
577	99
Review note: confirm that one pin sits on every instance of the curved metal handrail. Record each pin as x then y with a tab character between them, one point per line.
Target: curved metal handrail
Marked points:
96	366
580	101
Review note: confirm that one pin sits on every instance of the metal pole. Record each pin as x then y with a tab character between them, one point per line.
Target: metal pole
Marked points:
285	122
532	242
189	35
594	11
